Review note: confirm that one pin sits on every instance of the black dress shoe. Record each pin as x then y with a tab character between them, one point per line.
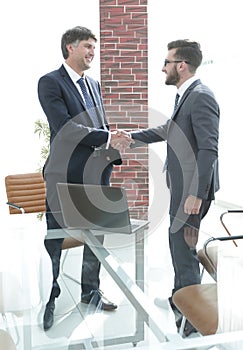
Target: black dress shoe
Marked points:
188	328
97	298
48	315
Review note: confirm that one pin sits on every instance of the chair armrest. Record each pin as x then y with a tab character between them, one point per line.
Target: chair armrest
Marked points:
238	211
15	206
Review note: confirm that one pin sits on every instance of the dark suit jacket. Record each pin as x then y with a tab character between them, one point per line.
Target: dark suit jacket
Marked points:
192	145
73	136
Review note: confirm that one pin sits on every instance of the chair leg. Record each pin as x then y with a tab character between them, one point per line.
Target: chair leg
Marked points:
202	272
182	327
66	274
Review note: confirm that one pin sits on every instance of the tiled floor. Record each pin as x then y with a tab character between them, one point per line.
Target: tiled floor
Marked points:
77	323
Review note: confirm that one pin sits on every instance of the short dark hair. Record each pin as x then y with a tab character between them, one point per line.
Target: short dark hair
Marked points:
73	35
187	50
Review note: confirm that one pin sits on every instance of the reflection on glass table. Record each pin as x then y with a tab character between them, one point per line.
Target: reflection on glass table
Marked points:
27	279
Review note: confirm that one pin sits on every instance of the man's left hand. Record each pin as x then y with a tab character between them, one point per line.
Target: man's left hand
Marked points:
192	205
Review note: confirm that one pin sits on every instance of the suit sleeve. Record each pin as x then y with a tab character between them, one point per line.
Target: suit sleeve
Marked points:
150	135
205	124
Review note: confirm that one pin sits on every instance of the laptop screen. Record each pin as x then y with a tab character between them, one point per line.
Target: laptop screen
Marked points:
94	207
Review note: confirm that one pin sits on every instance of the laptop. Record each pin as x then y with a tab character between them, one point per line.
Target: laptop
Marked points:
97	207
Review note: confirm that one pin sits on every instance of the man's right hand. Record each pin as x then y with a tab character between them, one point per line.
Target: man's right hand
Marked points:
120	140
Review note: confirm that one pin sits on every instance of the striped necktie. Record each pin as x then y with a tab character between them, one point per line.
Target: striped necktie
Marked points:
89	104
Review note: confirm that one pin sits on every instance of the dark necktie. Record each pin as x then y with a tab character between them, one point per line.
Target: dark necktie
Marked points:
175	107
176	101
89	103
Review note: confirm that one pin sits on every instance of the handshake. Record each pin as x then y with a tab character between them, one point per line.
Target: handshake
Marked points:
121	140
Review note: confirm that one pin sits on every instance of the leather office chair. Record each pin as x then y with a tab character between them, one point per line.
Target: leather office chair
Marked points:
199	303
208	255
26	193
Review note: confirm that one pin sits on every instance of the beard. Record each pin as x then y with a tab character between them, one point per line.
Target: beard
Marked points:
173	78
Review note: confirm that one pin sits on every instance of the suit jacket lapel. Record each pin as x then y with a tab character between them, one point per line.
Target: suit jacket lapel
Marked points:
186	93
92	90
70	83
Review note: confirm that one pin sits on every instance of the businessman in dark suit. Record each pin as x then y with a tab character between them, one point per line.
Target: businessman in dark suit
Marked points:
80	151
192	157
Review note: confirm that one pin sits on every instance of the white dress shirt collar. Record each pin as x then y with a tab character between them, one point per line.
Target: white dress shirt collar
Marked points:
186	85
73	75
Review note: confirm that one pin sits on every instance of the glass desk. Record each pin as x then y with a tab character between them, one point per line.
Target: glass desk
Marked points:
131	286
25	236
26	271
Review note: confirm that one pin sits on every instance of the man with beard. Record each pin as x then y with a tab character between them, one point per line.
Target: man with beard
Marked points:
192	159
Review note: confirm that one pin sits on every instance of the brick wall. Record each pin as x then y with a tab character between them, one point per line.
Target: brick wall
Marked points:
124	73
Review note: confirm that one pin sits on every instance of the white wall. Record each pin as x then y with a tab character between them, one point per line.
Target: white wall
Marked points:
217	26
30	47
